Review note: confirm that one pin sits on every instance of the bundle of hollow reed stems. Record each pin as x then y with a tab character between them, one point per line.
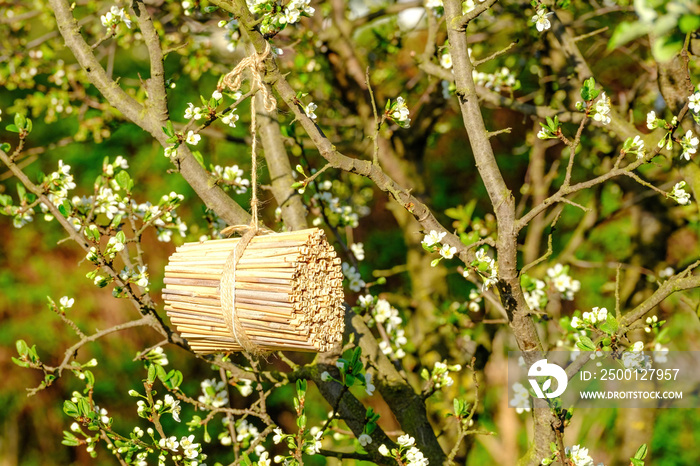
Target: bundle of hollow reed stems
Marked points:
285	293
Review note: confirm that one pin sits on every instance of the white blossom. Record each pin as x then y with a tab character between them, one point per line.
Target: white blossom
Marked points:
433	238
694	102
521	398
680	195
355	282
192	138
447	252
369	386
541	21
602	110
406	440
446	60
170	443
579	456
114	16
310	109
400	113
364	439
358	249
689	144
651	120
67	302
279	435
562	282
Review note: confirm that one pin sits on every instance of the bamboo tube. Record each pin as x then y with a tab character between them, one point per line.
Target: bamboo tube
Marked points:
288	293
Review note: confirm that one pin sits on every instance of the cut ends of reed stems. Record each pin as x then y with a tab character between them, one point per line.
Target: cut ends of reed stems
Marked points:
288	293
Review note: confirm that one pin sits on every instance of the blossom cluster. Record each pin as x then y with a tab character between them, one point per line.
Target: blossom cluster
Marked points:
275	17
214	393
114	17
679	194
689	145
635	358
474	303
189	449
562	282
579	456
600	111
689	142
398	112
355	282
431	243
339	214
503	78
387	316
536	296
487	268
232	176
521	398
407	453
596	317
440	375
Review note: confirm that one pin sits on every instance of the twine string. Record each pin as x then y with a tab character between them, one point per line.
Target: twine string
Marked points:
227	288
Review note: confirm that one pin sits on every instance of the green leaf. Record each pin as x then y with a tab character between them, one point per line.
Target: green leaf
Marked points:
162	375
588	91
585	343
121	237
627	31
70	439
84	407
124	181
689	23
12	128
21	192
610	326
20	120
665	48
29	125
117	220
349	380
245	460
175	380
151	373
641	452
198	157
301	421
636	462
90	378
65	208
19	362
22	347
5	147
553	447
70	408
425	375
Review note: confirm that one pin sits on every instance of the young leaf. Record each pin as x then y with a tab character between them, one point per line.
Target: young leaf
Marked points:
585	343
641	452
70	408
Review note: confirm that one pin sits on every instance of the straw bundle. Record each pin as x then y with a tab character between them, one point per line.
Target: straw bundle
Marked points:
287	291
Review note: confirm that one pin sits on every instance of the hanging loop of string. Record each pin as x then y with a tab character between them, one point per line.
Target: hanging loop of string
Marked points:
227	288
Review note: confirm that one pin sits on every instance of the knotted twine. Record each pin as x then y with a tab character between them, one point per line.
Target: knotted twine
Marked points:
227	287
